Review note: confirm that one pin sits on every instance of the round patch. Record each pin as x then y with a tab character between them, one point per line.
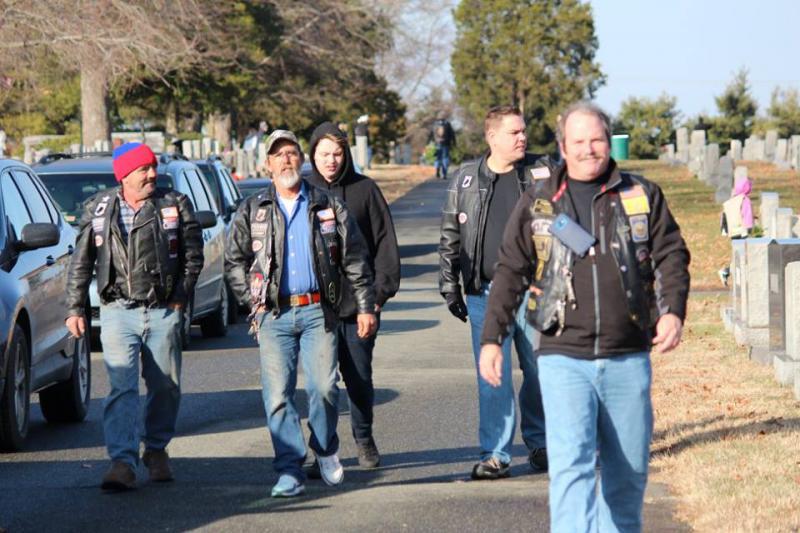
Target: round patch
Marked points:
257	245
462	218
98	240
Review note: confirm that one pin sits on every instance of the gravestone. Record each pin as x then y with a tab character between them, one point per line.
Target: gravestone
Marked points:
206	147
725	179
756	305
736	150
697	148
782	252
782	222
790	362
682	142
769	203
794	151
710	169
732	314
770	143
782	150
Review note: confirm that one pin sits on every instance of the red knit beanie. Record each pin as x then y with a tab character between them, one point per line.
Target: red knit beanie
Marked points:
131	156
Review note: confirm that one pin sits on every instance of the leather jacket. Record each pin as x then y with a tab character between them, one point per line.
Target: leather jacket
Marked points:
634	224
158	265
255	248
464	219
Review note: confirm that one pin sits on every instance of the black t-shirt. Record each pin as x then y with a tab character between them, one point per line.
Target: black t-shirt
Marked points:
581	193
504	197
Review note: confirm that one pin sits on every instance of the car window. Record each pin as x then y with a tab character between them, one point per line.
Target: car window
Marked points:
201	202
212	180
14	207
229	188
33	198
48	200
70	191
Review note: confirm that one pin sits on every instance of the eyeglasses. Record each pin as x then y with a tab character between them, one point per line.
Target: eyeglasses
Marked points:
286	154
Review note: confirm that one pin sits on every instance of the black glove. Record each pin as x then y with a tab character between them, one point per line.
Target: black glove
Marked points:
456	305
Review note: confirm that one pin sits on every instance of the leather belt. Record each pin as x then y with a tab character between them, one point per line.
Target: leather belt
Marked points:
299	300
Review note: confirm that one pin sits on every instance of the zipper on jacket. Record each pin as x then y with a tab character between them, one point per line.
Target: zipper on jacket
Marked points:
595	281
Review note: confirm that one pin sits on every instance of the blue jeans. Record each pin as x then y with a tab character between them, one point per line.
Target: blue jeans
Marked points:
497	412
155	334
298	332
597	405
442	159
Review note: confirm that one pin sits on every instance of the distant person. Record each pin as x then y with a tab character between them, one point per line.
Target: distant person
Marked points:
479	201
363	151
607	271
146	248
288	250
235	175
443	137
737	217
332	170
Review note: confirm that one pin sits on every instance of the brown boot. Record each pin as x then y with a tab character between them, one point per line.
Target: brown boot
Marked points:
157	463
120	477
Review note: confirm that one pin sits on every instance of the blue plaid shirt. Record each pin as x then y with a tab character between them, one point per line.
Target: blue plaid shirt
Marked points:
127	215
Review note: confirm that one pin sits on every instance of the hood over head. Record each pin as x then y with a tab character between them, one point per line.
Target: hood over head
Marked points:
346	169
742	186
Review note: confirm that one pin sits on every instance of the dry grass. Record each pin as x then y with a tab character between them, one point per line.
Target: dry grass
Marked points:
396	180
692	203
727	437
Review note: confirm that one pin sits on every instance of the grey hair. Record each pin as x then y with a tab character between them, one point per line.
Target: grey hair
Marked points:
587	107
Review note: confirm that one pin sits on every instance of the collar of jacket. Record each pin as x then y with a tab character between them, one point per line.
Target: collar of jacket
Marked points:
615	179
485	174
317	199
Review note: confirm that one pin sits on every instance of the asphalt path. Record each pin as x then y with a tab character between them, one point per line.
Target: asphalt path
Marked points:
425	427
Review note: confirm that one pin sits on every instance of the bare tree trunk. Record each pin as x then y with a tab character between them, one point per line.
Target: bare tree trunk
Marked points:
94	105
171	122
219	127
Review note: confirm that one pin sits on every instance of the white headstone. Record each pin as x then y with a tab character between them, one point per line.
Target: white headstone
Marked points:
682	145
740	173
711	165
736	150
782	150
769	203
725	179
770	143
783	218
792	310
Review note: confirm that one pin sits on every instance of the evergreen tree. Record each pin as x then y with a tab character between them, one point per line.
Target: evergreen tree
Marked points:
737	109
536	54
649	123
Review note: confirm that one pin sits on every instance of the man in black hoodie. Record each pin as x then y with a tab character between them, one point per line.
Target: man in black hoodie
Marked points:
332	169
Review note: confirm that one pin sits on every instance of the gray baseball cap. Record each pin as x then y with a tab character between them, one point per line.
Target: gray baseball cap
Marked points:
281	135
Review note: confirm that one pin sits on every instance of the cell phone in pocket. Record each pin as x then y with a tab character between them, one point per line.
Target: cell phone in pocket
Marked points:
572	234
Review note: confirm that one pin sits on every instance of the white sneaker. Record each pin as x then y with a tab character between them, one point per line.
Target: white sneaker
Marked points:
330	469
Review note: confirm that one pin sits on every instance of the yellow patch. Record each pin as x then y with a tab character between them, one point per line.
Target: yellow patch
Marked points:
634	201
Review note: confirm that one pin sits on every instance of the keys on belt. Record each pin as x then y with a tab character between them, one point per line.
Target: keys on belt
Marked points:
299	300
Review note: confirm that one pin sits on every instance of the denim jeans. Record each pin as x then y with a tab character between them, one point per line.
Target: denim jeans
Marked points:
355	364
442	158
601	405
298	333
497	412
155	334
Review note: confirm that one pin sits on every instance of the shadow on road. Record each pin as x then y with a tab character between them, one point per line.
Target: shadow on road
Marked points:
408	271
415	250
201	413
389	327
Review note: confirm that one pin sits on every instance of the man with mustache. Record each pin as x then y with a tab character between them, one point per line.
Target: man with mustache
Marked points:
608	270
480	198
332	170
288	249
147	249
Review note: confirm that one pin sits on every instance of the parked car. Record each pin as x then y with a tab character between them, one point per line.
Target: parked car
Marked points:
71	180
251	186
37	353
223	186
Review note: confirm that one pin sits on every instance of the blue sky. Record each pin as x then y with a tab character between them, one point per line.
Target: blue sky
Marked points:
691	49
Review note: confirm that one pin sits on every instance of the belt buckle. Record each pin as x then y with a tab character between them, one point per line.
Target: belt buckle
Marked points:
294	300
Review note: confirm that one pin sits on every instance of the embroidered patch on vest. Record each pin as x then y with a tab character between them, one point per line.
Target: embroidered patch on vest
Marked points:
467	181
541	173
640	228
261	214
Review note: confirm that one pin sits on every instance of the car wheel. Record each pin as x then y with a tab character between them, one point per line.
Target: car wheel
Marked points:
69	401
233	308
216	324
186	329
15	402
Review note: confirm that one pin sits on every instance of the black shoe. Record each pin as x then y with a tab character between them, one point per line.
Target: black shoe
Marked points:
368	456
491	468
312	470
537	458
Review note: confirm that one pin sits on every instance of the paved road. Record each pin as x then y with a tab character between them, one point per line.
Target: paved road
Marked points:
426	428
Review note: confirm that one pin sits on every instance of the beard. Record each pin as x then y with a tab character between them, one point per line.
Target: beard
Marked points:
288	178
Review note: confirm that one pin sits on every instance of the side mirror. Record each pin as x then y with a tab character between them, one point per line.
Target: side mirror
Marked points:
38	235
207	219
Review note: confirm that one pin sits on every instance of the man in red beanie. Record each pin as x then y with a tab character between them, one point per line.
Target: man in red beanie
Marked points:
147	250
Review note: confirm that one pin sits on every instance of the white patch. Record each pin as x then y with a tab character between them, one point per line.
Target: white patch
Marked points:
98	240
257	245
540	173
261	214
170	223
541	226
98	224
327	226
467	181
100	209
462	218
169	212
325	214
